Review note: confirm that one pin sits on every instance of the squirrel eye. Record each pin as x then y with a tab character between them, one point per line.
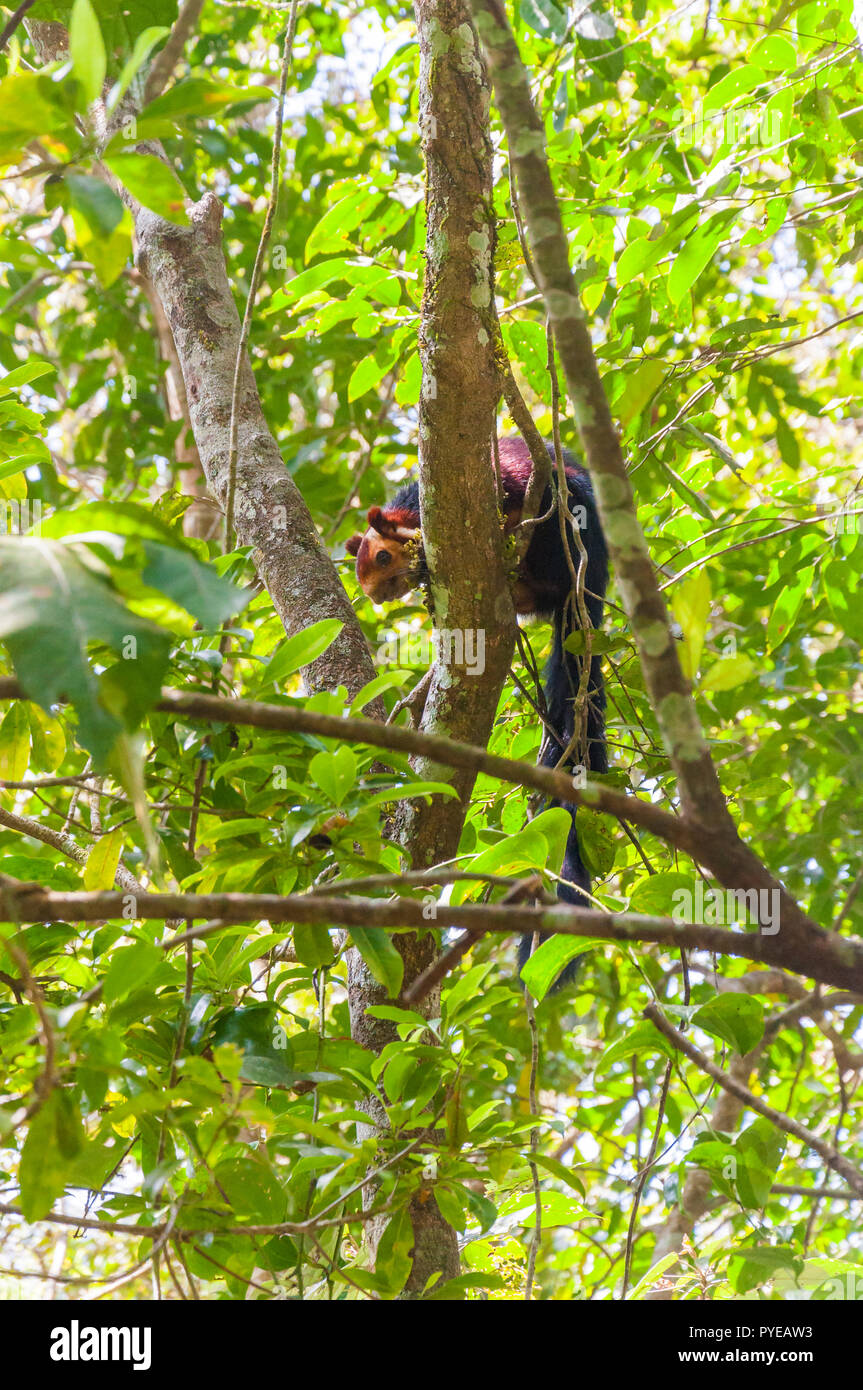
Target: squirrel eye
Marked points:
383	557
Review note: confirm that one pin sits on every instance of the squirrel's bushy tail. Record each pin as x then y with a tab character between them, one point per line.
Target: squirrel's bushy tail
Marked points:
562	685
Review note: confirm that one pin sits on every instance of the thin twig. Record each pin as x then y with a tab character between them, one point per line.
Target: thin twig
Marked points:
642	1179
257	270
13	21
164	63
534	1137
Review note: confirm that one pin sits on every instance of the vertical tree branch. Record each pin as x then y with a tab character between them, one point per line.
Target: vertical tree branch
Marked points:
462	535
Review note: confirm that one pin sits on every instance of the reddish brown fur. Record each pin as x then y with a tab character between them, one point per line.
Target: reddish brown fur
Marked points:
388	534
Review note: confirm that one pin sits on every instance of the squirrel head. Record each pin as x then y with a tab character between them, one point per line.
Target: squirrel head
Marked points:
384	571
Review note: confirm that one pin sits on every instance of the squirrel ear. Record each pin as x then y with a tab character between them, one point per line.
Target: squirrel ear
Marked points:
353	543
379	522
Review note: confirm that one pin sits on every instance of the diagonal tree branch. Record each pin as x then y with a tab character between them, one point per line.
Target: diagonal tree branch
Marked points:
168	57
186	267
13	21
729	1083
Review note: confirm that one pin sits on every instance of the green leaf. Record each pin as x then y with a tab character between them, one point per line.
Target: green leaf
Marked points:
638	256
108	254
98	204
452	1290
695	255
540	844
742	78
397	1073
152	183
752	1266
542	969
408	389
267	1069
196	97
87	50
109	519
331	232
560	1171
737	1019
194	586
25	374
598	842
639	387
468	985
14	743
130	967
373	688
787	606
690	605
600	642
48	738
545	18
482	1208
655	896
641	1037
380	955
773	53
686	492
557	1208
313	945
30	108
246	1027
395	1251
711	442
405	1016
335	773
51	607
120	24
759	1151
367	374
53	1142
101	867
144	45
731	671
320	275
302	649
12	467
414	789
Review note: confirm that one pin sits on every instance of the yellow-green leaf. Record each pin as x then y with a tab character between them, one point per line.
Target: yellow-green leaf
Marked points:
15	743
691	608
87	50
101	867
